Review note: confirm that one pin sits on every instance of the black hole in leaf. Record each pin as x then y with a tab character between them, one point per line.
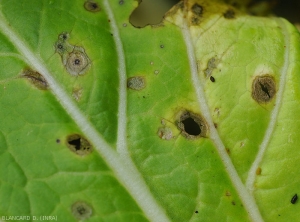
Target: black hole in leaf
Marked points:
191	127
76	143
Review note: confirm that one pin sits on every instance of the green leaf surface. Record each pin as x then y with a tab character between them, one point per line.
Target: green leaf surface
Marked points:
194	119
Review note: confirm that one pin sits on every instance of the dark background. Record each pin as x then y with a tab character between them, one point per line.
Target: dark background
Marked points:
152	11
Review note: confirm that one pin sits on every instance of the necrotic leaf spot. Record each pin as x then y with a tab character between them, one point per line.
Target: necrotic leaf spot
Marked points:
64	36
197	9
35	78
91	6
60	47
263	89
77	62
78	144
136	83
192	125
294	199
229	14
81	210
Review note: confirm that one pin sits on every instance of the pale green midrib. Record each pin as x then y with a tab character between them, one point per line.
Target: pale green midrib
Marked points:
122	114
247	199
274	114
125	171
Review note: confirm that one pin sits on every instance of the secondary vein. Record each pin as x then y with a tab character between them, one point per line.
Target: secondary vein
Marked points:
122	114
274	114
246	198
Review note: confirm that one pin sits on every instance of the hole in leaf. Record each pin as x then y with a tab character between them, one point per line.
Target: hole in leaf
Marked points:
263	89
192	125
150	12
79	144
81	210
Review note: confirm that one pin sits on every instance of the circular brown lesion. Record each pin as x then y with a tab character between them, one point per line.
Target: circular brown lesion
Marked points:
77	62
263	89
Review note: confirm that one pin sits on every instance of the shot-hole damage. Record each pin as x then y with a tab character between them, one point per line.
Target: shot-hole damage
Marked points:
35	78
263	88
92	6
81	210
136	82
78	144
191	125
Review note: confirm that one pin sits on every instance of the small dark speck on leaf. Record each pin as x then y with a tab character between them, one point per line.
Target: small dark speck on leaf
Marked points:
58	141
196	211
294	199
212	79
162	46
121	2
